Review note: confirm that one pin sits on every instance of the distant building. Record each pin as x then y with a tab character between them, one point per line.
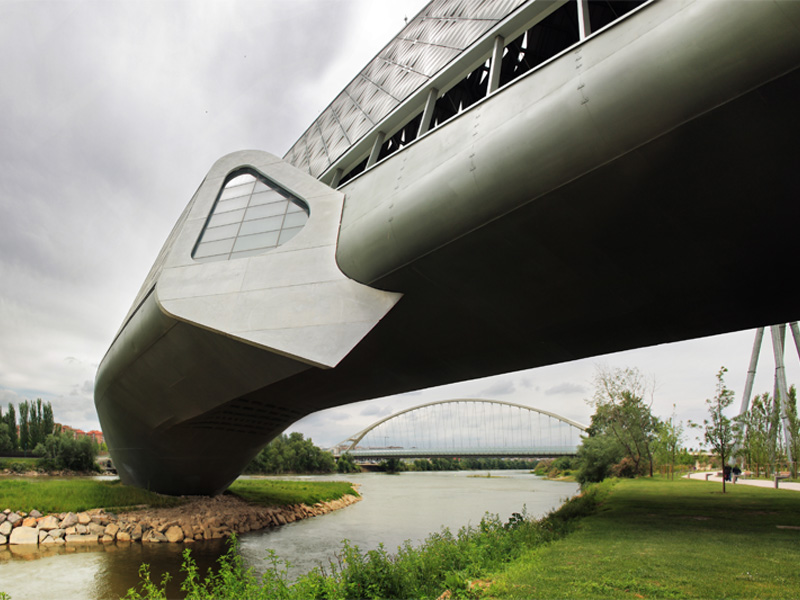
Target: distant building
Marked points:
75	434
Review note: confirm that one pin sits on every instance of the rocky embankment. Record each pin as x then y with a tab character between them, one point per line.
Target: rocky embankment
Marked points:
201	518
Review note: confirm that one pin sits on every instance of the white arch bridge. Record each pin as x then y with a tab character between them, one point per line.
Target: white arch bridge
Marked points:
467	427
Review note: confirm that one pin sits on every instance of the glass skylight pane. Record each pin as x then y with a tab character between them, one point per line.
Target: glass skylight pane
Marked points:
297	219
266	210
227	218
261	240
265	198
212	248
261	225
232	204
220	233
236	191
262	187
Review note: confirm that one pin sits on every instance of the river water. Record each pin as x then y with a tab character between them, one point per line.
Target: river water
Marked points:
395	508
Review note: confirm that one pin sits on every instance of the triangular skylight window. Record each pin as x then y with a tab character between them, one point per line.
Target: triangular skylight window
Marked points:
251	216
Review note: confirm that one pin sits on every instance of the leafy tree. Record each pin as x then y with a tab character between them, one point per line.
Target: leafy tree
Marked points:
11	422
24	426
5	439
794	429
62	451
292	454
720	430
597	456
48	422
668	441
757	445
393	465
621	412
347	464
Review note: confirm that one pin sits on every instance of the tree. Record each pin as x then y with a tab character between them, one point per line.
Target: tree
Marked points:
597	455
721	431
48	422
757	425
347	464
24	426
794	429
669	435
620	411
11	421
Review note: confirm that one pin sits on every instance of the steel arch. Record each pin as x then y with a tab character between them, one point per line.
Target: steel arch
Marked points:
351	442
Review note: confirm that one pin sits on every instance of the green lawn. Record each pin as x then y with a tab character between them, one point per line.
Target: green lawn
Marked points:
49	495
670	539
272	492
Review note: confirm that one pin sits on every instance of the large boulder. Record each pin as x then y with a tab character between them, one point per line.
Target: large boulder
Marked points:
84	518
174	534
111	529
70	520
152	536
14	519
81	539
5	528
96	529
35	514
24	535
48	523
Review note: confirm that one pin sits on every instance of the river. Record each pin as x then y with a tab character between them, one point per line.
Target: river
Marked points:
395	508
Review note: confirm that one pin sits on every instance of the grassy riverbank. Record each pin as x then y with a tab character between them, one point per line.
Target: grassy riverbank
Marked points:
645	538
670	539
51	495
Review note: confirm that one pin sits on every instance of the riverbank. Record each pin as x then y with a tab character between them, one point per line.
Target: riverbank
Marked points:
258	504
620	539
669	539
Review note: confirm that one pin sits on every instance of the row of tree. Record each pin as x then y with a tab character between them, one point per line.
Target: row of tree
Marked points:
625	439
456	464
291	454
35	424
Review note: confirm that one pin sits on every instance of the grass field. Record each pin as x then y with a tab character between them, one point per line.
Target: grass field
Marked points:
49	495
670	539
272	492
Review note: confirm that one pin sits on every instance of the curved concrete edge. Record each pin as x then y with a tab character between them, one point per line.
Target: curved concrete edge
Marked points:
292	300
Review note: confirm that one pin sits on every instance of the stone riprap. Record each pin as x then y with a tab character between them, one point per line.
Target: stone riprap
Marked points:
201	518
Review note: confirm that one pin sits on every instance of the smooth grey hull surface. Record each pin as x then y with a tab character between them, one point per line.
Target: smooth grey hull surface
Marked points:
640	188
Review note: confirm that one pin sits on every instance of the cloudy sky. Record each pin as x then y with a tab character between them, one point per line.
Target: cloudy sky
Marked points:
111	113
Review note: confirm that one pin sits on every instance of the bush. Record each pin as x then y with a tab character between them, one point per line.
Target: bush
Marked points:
64	452
626	468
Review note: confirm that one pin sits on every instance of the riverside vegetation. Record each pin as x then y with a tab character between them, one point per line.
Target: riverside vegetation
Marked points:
631	538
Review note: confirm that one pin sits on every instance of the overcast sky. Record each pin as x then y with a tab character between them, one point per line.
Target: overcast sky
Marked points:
111	114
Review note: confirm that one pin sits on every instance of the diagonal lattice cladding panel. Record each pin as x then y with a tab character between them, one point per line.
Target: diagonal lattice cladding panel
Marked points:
438	34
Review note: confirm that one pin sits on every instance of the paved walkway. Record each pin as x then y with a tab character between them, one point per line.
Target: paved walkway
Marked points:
783	485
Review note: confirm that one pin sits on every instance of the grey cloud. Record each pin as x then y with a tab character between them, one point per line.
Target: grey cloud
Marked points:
501	388
565	388
376	410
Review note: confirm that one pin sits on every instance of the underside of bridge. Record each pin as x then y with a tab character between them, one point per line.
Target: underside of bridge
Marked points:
546	231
